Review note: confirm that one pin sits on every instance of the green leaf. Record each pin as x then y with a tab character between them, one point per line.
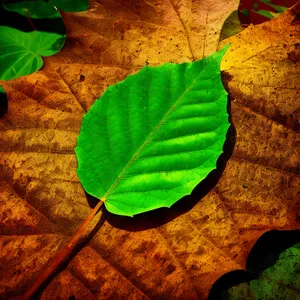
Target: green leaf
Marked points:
278	8
281	281
150	139
20	52
71	5
33	9
270	14
3	102
231	26
272	270
266	13
45	9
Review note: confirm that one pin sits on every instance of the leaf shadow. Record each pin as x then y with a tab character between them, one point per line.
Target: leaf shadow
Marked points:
22	23
3	104
158	217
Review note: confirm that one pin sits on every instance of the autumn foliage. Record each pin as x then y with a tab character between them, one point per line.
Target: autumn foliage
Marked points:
168	253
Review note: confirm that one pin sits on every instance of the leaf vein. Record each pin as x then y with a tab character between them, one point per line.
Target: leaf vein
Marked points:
150	136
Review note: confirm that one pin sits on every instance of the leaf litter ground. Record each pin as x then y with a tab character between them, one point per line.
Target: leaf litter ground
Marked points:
180	252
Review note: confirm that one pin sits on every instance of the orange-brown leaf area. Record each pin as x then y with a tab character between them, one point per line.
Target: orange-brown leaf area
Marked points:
174	253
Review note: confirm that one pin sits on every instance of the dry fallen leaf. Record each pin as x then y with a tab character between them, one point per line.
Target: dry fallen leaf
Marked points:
170	253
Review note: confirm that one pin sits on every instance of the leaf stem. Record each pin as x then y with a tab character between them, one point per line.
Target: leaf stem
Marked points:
29	20
62	254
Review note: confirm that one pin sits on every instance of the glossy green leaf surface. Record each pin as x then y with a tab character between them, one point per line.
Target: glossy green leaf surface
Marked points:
20	52
281	281
150	139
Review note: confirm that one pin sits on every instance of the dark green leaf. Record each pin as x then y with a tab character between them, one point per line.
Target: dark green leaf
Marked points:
281	281
26	23
45	9
231	26
20	52
70	5
273	271
33	9
150	139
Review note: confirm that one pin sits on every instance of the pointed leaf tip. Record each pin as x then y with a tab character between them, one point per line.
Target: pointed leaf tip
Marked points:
222	52
224	49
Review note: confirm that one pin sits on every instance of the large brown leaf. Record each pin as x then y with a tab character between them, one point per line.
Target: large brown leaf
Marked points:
169	253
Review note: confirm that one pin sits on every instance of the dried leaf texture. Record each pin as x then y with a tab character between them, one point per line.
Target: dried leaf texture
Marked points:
170	254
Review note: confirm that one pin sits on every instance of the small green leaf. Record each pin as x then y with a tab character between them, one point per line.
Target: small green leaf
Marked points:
70	5
20	52
270	14
45	9
281	281
33	9
150	139
278	8
266	13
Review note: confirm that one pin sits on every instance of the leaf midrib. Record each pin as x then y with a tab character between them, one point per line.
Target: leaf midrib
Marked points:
15	42
26	49
148	139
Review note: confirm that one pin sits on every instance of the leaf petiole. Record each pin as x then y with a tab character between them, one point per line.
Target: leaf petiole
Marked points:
63	254
29	20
